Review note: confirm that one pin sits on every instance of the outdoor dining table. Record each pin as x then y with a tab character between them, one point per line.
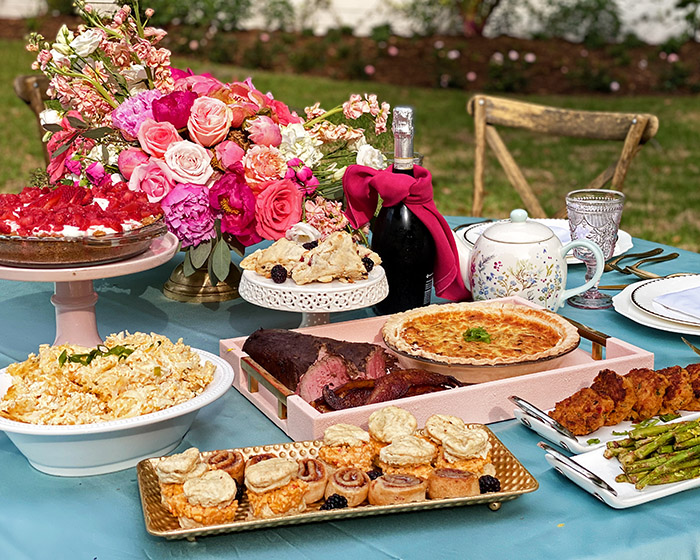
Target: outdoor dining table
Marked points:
100	517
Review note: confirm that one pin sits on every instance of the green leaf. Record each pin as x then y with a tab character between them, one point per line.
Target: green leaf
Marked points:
62	358
200	253
592	441
77	123
476	334
96	133
61	149
187	268
53	127
221	260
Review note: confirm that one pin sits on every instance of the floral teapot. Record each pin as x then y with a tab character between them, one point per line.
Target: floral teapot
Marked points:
525	258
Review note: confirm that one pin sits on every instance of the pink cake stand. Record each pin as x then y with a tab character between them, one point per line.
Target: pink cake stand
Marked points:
74	295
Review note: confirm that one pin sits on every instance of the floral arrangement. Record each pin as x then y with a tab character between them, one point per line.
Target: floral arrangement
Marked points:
228	164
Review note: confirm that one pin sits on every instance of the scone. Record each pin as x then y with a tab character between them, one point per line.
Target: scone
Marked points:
438	426
174	470
452	483
345	445
468	450
396	489
231	462
283	252
349	482
314	473
407	455
274	489
390	423
209	499
253	459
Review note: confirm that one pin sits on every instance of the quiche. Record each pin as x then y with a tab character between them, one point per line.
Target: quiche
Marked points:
488	333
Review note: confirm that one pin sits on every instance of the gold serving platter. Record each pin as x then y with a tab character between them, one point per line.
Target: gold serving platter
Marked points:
515	480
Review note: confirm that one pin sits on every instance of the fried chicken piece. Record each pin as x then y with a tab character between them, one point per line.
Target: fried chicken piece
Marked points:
649	388
694	381
620	390
583	412
679	392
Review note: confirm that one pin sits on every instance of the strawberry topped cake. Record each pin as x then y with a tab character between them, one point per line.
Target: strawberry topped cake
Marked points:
71	225
70	211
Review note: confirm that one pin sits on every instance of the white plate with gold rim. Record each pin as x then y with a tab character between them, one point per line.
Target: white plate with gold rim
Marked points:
643	297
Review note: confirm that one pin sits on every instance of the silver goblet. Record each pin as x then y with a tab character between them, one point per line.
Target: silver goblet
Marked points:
594	214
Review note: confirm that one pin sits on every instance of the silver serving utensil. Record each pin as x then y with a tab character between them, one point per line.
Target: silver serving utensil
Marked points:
573	465
534	412
691	345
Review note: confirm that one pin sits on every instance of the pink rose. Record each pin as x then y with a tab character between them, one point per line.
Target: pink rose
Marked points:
228	153
155	137
262	165
153	178
189	162
278	208
129	159
201	84
209	122
263	130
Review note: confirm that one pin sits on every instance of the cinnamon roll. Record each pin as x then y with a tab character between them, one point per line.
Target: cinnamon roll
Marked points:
452	483
396	489
350	482
231	462
313	472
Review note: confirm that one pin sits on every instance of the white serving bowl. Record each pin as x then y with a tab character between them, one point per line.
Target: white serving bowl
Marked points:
103	447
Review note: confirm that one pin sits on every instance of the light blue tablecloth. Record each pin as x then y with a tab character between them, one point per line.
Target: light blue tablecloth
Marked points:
100	517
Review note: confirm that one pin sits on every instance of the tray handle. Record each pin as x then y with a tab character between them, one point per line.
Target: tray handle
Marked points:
257	375
597	338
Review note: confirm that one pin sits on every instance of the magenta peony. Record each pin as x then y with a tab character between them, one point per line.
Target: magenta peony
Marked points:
188	214
174	108
232	197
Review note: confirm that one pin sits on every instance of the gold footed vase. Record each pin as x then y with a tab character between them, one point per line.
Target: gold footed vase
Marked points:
197	287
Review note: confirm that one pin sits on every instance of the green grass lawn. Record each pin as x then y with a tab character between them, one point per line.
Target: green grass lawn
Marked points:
662	184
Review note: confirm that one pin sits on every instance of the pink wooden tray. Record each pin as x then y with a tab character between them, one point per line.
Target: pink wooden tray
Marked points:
482	403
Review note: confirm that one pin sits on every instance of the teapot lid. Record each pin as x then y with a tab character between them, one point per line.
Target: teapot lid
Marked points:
518	230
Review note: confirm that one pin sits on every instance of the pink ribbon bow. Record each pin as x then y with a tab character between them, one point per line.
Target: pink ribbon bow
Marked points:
363	186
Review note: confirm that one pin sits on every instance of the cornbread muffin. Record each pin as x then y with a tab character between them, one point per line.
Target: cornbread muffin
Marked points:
274	489
173	471
345	445
390	423
209	499
408	455
467	450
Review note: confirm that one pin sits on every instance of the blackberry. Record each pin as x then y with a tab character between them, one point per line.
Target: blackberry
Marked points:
488	483
310	245
374	474
278	274
334	501
240	492
369	263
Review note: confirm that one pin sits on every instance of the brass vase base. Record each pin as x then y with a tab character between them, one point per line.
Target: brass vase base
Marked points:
198	289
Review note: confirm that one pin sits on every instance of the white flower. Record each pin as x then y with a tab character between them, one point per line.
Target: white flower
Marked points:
136	78
371	157
50	116
63	40
298	143
98	154
302	233
86	43
338	174
59	57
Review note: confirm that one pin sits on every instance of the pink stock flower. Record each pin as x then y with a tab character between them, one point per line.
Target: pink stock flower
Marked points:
232	197
189	162
355	106
325	215
153	178
174	108
278	208
262	165
155	137
188	214
129	159
228	153
209	122
263	130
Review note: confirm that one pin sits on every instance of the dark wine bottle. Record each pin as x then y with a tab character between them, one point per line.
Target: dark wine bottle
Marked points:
402	241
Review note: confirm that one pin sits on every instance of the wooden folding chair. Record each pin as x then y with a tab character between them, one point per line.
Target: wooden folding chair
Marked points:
633	129
31	89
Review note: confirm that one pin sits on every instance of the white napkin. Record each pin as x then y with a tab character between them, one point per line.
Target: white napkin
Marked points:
686	302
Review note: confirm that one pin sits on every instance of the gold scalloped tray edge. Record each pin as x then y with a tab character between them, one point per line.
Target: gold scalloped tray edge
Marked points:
515	480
